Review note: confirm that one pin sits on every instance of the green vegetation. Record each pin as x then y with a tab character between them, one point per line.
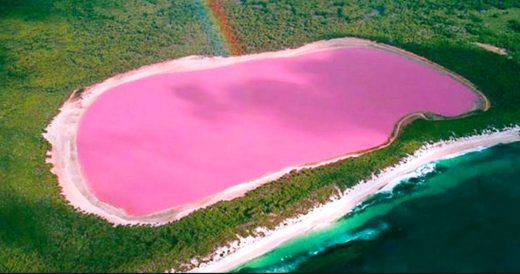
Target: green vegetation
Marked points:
50	48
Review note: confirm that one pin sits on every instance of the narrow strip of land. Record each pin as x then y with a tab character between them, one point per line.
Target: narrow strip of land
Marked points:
247	249
492	48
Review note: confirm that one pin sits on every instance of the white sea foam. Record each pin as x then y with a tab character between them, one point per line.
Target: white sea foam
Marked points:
290	263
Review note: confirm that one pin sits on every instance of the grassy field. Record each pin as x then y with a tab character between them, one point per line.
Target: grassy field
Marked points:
50	48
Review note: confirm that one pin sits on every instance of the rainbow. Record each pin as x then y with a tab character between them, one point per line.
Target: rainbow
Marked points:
215	23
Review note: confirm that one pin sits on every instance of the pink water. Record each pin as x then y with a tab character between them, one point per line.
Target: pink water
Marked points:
175	138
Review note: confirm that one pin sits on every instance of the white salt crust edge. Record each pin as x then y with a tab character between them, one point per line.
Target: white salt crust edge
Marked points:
61	132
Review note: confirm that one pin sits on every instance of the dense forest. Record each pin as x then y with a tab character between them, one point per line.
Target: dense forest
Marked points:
48	48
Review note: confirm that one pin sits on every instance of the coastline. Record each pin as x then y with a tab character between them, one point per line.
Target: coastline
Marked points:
61	132
245	249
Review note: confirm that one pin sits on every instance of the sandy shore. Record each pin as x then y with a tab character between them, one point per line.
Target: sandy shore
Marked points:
245	249
492	48
61	132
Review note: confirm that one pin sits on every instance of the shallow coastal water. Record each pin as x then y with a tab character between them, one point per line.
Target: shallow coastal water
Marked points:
461	214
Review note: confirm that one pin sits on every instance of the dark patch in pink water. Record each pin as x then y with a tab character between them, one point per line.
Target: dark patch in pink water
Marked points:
171	139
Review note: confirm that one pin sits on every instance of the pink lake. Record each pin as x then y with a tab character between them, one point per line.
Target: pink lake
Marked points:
172	139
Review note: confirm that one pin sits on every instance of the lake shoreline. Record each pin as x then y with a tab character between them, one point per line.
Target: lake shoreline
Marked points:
62	131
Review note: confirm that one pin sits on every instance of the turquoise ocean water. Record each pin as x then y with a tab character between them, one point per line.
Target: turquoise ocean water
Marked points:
464	215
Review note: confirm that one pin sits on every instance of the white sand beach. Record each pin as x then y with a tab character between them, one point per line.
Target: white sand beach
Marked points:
246	249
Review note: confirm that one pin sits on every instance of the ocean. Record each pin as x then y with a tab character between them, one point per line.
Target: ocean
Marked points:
460	214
